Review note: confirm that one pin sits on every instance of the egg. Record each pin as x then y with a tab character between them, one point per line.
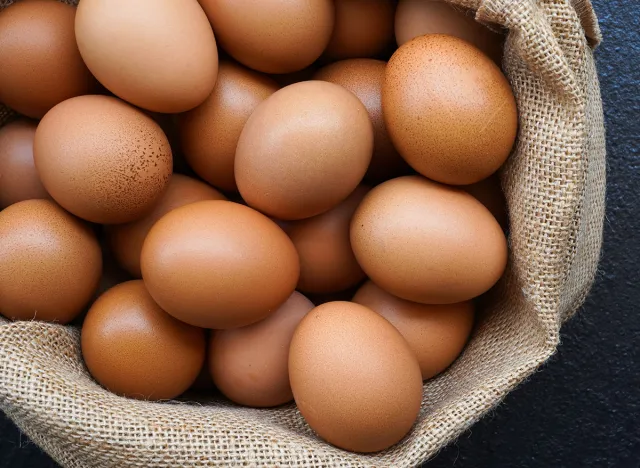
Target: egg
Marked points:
364	78
363	28
427	242
50	262
436	334
303	150
354	378
327	263
160	55
210	132
102	159
19	179
219	264
489	193
135	349
272	36
126	239
250	365
41	65
449	110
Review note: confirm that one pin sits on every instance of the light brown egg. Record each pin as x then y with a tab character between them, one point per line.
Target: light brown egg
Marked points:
135	349
19	179
41	65
449	110
427	242
219	264
50	262
160	55
327	263
272	36
363	28
126	239
489	193
364	78
436	334
303	150
354	378
102	159
210	132
250	365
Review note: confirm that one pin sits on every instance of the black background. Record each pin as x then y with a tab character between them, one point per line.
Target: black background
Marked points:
583	408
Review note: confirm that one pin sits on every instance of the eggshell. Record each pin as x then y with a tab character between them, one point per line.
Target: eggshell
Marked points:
126	239
218	264
50	262
160	55
449	110
210	132
303	150
364	78
363	28
427	242
19	179
135	349
436	334
272	36
489	193
354	378
327	263
41	65
102	159
250	365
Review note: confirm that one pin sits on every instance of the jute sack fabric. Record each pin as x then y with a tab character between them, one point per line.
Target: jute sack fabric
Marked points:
555	185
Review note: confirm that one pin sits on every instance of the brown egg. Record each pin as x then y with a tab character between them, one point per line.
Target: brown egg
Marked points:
160	55
449	109
135	349
218	264
126	239
354	378
210	132
303	150
272	36
102	159
250	365
50	262
363	28
19	179
327	263
436	334
419	17
427	242
364	78
489	193
41	65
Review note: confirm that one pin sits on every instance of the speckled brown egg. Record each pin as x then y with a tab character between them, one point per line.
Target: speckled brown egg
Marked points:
489	193
354	378
126	239
272	36
303	150
210	132
449	110
436	334
50	262
427	242
219	264
364	78
19	179
250	365
134	348
102	159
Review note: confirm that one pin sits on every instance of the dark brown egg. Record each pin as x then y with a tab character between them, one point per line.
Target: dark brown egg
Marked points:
489	193
135	349
50	262
102	159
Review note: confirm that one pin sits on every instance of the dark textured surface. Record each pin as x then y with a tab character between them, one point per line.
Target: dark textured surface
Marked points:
583	408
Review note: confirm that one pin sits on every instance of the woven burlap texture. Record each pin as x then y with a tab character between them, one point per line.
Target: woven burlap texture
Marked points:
555	185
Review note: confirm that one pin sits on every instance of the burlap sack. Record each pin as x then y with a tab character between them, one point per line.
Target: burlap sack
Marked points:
554	183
